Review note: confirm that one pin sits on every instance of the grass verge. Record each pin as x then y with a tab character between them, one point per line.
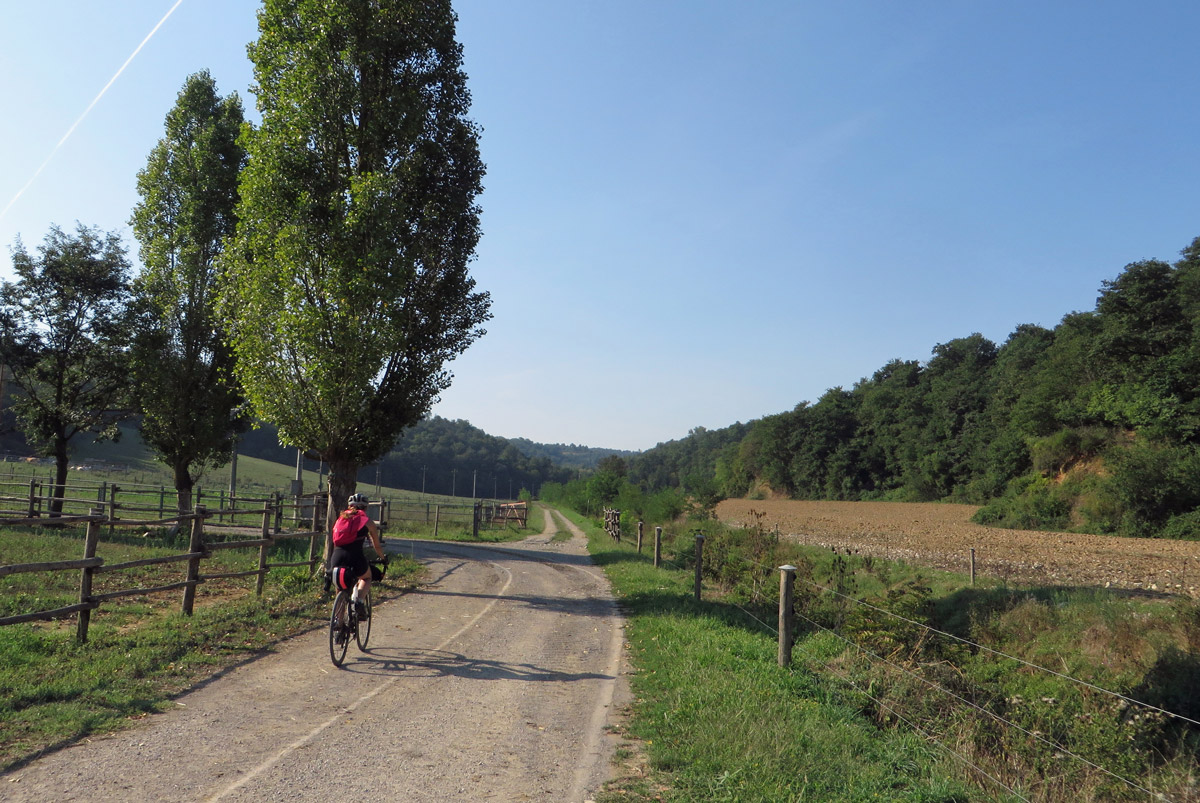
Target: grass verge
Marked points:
1061	694
720	721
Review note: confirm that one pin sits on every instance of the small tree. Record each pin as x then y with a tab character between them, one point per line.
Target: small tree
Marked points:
63	331
182	367
347	288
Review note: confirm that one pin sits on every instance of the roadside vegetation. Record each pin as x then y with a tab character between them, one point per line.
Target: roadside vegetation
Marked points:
905	684
141	651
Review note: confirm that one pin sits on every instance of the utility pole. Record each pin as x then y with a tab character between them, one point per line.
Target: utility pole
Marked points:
453	482
474	474
422	480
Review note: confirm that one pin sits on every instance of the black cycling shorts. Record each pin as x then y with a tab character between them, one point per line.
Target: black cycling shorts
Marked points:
351	557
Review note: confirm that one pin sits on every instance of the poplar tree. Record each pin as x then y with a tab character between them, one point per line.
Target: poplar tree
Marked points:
347	289
182	367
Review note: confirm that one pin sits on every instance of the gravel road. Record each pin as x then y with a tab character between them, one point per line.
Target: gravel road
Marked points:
494	682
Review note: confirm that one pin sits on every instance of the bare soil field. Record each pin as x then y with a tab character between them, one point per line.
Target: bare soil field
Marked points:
941	536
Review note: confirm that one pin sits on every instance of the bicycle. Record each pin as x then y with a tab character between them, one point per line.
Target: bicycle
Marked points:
346	623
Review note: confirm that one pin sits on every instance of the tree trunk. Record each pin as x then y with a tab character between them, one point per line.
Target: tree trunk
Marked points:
343	480
61	465
183	488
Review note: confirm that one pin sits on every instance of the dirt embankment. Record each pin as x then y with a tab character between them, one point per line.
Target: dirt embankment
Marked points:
942	536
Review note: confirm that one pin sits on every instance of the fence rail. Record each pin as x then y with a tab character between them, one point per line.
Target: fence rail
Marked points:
202	545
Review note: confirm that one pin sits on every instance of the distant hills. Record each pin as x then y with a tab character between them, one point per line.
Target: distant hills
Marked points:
440	456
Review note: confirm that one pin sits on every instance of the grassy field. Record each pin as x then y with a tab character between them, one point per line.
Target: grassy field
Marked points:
129	464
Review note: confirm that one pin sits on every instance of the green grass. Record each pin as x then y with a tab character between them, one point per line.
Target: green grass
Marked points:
141	651
719	720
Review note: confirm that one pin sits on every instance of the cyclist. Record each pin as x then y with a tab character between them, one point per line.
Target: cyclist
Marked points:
349	556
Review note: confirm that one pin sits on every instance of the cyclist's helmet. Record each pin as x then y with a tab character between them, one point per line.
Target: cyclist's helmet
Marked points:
358	500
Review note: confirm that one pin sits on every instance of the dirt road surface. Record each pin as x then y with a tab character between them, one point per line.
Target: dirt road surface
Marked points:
942	536
494	682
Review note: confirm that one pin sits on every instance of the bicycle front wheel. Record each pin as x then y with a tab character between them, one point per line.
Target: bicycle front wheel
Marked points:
339	628
363	633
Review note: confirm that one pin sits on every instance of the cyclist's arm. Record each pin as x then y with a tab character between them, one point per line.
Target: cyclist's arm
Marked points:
376	538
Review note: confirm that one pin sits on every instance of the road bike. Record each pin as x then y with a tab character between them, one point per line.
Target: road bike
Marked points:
347	621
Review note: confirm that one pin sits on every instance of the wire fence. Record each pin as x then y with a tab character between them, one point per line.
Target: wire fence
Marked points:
788	614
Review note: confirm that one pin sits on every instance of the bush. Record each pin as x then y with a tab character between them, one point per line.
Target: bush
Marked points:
1031	503
1184	527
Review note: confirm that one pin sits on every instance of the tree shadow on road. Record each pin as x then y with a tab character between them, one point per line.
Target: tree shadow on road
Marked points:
442	663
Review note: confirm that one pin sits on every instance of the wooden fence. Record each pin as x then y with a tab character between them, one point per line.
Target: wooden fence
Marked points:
201	544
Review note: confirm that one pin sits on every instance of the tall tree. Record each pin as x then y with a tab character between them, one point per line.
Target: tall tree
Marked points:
182	368
63	330
347	290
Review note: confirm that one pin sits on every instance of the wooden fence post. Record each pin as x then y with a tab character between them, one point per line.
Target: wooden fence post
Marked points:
699	562
195	546
277	503
437	515
640	526
32	497
262	553
113	490
162	500
85	580
657	546
787	622
972	565
476	510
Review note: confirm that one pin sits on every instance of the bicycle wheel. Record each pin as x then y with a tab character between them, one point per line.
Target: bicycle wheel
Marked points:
339	628
363	633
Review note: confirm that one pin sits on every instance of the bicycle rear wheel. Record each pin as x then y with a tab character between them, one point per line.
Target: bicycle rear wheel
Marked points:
363	632
339	628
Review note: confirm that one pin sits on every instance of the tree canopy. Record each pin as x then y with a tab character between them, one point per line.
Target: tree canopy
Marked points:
63	331
346	290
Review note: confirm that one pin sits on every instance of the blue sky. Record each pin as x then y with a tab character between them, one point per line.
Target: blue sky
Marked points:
701	212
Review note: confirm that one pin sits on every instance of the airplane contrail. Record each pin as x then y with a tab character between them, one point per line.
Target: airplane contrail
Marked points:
91	105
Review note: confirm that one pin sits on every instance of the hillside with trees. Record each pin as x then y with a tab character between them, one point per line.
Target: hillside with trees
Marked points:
439	456
568	455
1093	425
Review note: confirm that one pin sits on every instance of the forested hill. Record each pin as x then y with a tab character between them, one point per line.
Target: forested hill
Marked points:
441	456
568	455
1094	424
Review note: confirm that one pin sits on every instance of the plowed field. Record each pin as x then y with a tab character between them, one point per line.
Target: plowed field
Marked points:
942	536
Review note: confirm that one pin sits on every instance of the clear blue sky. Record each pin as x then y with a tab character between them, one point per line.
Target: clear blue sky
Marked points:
702	212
